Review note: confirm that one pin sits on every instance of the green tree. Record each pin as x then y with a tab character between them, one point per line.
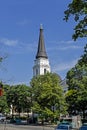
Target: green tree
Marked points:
19	96
47	96
77	81
4	108
78	9
3	105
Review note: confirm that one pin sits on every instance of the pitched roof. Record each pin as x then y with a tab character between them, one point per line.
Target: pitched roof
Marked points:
41	52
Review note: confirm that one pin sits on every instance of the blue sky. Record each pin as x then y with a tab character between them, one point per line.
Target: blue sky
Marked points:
19	34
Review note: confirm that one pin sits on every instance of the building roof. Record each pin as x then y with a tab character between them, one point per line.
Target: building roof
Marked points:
41	52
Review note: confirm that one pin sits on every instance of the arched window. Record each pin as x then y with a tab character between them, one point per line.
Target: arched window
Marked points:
45	71
36	71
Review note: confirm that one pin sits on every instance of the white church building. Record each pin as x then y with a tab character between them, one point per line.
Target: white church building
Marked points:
41	63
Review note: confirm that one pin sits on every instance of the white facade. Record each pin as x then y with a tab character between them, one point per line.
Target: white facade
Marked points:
41	66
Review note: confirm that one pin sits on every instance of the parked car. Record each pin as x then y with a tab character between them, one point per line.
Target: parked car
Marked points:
66	123
63	127
83	127
2	118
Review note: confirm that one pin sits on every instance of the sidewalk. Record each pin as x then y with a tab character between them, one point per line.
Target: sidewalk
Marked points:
23	127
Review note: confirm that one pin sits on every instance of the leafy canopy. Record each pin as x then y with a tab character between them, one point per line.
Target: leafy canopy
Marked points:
47	95
78	9
77	81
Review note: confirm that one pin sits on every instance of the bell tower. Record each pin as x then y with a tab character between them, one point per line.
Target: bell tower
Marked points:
41	63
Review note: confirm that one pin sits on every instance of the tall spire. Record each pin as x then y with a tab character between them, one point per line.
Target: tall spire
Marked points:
41	52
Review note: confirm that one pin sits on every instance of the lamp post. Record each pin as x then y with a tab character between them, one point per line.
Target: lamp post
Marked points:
53	109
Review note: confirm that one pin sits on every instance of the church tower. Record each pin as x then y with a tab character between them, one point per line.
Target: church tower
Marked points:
41	63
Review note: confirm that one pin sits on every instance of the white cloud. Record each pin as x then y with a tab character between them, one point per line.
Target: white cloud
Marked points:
65	45
26	47
21	47
64	66
23	22
67	42
64	48
70	47
79	42
63	42
9	42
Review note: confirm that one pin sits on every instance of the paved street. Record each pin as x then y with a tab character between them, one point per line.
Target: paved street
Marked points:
23	127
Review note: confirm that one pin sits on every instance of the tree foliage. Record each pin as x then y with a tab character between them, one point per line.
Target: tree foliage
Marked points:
47	95
3	104
4	108
77	81
19	96
78	9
